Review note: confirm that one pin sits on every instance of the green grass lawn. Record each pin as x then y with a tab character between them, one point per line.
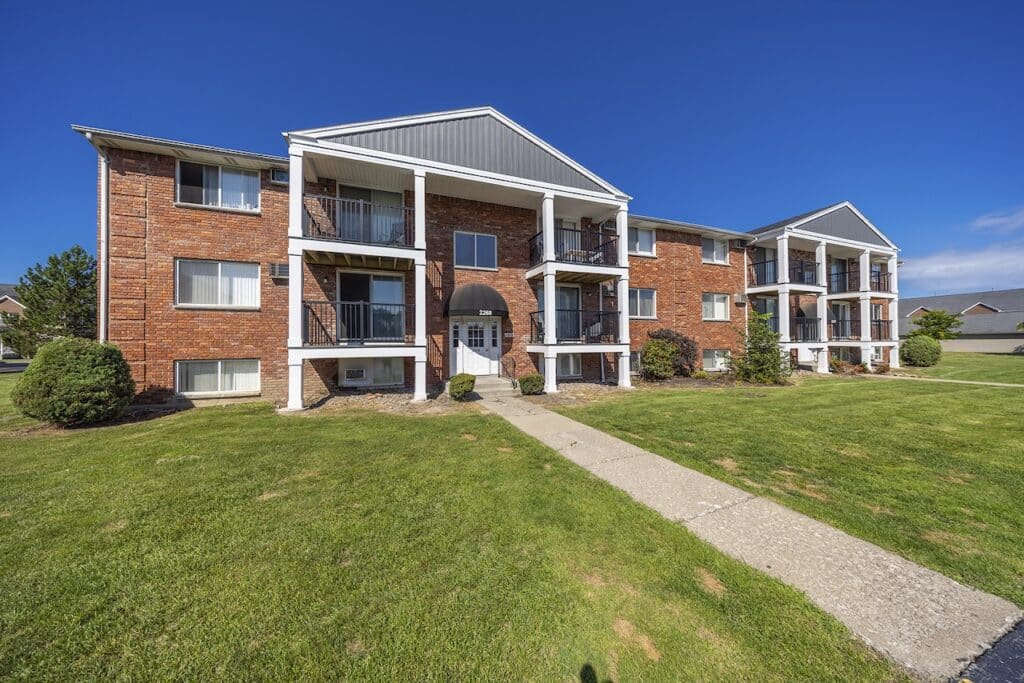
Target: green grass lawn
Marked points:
978	367
934	472
232	542
9	418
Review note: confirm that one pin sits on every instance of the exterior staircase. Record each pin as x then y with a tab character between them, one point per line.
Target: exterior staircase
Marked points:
495	387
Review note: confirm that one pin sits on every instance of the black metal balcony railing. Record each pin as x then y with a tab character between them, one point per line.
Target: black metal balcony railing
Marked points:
803	272
578	246
804	330
844	329
881	282
334	323
881	330
353	220
577	326
840	281
764	273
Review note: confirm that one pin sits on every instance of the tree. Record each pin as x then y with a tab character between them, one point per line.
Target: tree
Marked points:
60	301
761	359
1020	326
938	325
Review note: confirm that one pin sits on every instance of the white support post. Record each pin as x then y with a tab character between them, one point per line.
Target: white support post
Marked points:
894	357
420	312
623	297
821	257
547	214
296	187
865	271
622	231
550	312
782	259
550	372
419	392
420	209
822	312
865	317
865	357
823	361
295	311
295	386
893	268
625	381
784	313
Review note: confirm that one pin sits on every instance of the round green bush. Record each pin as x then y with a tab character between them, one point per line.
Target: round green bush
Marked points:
75	382
657	359
531	384
461	385
920	351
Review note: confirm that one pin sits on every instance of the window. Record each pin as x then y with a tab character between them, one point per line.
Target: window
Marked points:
388	371
218	186
715	306
877	354
208	377
372	371
715	360
218	284
714	251
634	362
474	250
641	303
570	365
566	223
279	176
641	241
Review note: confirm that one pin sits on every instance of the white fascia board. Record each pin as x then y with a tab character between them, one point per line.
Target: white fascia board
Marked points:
839	241
181	150
919	308
976	303
682	226
297	354
560	349
12	300
450	170
555	267
297	246
331	131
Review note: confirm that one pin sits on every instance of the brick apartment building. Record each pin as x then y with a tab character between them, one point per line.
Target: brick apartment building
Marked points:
401	251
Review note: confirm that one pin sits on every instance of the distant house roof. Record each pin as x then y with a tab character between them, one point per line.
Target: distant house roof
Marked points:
1008	302
7	291
841	220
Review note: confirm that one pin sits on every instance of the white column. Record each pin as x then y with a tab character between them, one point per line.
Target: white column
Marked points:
296	186
295	386
894	357
625	381
822	361
782	258
623	297
550	373
784	314
547	215
865	356
419	392
822	318
420	208
893	269
865	317
894	318
420	310
865	271
550	312
821	257
622	231
295	313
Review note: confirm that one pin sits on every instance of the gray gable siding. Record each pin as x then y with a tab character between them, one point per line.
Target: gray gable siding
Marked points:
845	224
479	142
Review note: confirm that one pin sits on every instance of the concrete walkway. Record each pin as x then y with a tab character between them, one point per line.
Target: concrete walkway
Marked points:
923	620
947	381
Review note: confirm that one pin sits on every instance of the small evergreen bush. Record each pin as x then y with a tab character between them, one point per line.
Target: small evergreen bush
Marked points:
921	351
657	359
531	384
761	360
685	361
75	381
461	385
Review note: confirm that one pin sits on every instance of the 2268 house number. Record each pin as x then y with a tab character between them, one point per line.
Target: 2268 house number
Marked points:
485	311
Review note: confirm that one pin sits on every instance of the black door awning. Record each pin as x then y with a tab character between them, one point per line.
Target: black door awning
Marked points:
476	299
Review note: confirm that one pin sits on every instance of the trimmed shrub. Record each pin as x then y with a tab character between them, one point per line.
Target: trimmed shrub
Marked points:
685	361
761	361
75	381
657	359
461	385
531	384
701	374
921	351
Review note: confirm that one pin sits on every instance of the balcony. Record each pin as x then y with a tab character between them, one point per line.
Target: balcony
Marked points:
803	273
800	273
764	273
340	323
578	246
575	326
804	330
881	330
881	282
840	281
354	220
844	329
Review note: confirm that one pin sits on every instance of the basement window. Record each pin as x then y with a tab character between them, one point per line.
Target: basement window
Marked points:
218	377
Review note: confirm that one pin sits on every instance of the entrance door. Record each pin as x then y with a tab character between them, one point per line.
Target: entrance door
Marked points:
476	345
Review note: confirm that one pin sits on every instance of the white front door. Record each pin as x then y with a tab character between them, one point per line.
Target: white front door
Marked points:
476	345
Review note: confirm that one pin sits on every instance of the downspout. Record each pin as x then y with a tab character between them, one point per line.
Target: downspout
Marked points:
103	296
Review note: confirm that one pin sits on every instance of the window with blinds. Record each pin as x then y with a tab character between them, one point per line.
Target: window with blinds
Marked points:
217	284
222	187
234	376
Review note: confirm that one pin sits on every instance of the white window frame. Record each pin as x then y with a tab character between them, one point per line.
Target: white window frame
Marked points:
728	312
713	261
220	378
221	307
721	357
274	180
367	365
877	354
637	252
455	235
579	362
220	188
654	303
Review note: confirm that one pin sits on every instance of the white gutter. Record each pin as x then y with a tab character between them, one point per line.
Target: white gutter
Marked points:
103	306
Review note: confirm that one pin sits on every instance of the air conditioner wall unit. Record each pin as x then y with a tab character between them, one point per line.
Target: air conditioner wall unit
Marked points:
741	243
741	299
279	271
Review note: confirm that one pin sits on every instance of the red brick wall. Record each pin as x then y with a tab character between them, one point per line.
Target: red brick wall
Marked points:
147	232
680	278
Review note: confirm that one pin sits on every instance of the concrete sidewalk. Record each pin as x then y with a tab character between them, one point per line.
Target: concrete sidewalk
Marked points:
923	620
947	381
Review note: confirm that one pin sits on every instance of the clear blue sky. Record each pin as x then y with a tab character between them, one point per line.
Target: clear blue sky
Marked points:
731	115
